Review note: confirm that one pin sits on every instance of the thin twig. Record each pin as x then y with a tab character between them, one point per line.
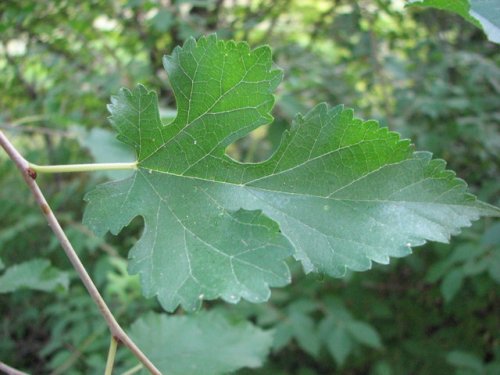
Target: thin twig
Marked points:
28	119
10	370
79	351
116	330
111	357
37	130
133	370
62	369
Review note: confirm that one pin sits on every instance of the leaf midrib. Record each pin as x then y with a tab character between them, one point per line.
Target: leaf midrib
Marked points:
246	185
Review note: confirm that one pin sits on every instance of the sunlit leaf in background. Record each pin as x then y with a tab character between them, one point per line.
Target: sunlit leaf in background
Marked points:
484	14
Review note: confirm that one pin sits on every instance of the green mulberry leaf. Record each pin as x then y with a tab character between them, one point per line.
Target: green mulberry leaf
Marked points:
203	343
338	193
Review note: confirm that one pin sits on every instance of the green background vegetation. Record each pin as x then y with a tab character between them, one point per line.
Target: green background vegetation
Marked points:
429	75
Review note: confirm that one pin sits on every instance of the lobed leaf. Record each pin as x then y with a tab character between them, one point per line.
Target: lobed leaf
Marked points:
338	193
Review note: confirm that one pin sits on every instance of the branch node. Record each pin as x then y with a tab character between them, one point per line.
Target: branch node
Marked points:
45	209
31	172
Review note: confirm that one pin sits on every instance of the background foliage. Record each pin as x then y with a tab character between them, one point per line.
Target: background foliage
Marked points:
430	75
